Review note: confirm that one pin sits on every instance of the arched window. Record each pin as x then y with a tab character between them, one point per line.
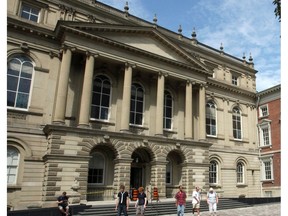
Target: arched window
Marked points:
12	165
167	118
240	172
96	168
169	172
236	123
137	104
213	172
210	119
19	77
101	98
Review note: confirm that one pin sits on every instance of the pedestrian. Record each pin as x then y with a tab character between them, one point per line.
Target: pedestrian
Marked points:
63	204
122	202
180	201
212	201
196	198
141	202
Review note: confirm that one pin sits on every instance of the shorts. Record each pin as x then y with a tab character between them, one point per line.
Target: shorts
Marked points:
63	207
196	205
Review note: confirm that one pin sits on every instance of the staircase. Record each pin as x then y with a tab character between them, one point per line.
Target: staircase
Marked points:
159	208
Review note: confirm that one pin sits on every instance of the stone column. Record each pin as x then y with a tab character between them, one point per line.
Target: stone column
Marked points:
125	115
202	113
160	104
85	105
61	97
122	171
188	111
158	177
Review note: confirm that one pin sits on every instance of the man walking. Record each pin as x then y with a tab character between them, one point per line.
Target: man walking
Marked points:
196	198
180	201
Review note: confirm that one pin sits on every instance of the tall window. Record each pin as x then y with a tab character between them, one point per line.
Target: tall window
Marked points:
96	169
12	165
236	123
137	104
19	78
240	173
30	13
169	172
167	120
234	80
265	131
213	168
267	168
100	98
211	119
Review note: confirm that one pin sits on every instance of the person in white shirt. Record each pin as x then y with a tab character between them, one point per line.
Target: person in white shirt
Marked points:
212	201
196	198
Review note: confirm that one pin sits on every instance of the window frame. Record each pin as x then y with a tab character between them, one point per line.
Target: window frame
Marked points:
100	105
262	126
135	103
104	170
240	174
264	160
165	116
19	57
261	110
216	172
170	172
17	166
31	7
210	119
237	130
234	79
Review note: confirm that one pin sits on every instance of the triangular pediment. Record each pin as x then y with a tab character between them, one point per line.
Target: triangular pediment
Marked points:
142	39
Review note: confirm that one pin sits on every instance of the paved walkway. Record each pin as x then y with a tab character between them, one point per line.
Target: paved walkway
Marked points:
258	210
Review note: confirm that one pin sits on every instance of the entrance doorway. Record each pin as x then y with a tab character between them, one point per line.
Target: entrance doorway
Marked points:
136	177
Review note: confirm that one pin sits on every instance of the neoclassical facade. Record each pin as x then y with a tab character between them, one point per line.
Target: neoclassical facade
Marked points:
97	97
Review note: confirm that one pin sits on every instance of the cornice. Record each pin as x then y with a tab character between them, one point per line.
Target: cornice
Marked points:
273	89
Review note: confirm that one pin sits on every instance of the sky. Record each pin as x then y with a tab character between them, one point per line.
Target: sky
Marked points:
246	26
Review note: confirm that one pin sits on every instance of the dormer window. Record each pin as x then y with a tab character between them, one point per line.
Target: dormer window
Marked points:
234	80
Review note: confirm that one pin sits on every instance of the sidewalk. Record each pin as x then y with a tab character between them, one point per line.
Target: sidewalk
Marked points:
257	210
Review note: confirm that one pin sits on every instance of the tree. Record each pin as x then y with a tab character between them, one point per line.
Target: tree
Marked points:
277	10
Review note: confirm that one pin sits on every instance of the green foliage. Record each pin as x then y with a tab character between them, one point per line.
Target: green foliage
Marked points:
277	9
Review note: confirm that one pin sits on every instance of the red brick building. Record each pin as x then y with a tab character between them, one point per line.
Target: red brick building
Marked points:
269	125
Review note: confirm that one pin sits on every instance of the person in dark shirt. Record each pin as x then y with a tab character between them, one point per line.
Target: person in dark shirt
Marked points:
122	202
63	204
141	202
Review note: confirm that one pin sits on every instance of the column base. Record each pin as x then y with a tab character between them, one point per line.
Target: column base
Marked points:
84	126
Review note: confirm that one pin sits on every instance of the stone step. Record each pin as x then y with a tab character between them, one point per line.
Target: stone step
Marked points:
160	208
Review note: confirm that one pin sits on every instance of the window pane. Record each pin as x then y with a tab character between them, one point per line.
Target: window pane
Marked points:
11	98
24	85
22	100
12	83
105	100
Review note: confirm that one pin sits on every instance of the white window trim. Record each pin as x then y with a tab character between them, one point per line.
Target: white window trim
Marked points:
209	135
241	122
268	158
32	6
264	125
260	110
17	169
104	170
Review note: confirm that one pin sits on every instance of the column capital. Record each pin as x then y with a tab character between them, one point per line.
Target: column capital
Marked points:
89	54
161	73
128	64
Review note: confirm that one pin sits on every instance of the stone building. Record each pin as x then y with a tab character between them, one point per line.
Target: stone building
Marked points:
97	97
269	125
